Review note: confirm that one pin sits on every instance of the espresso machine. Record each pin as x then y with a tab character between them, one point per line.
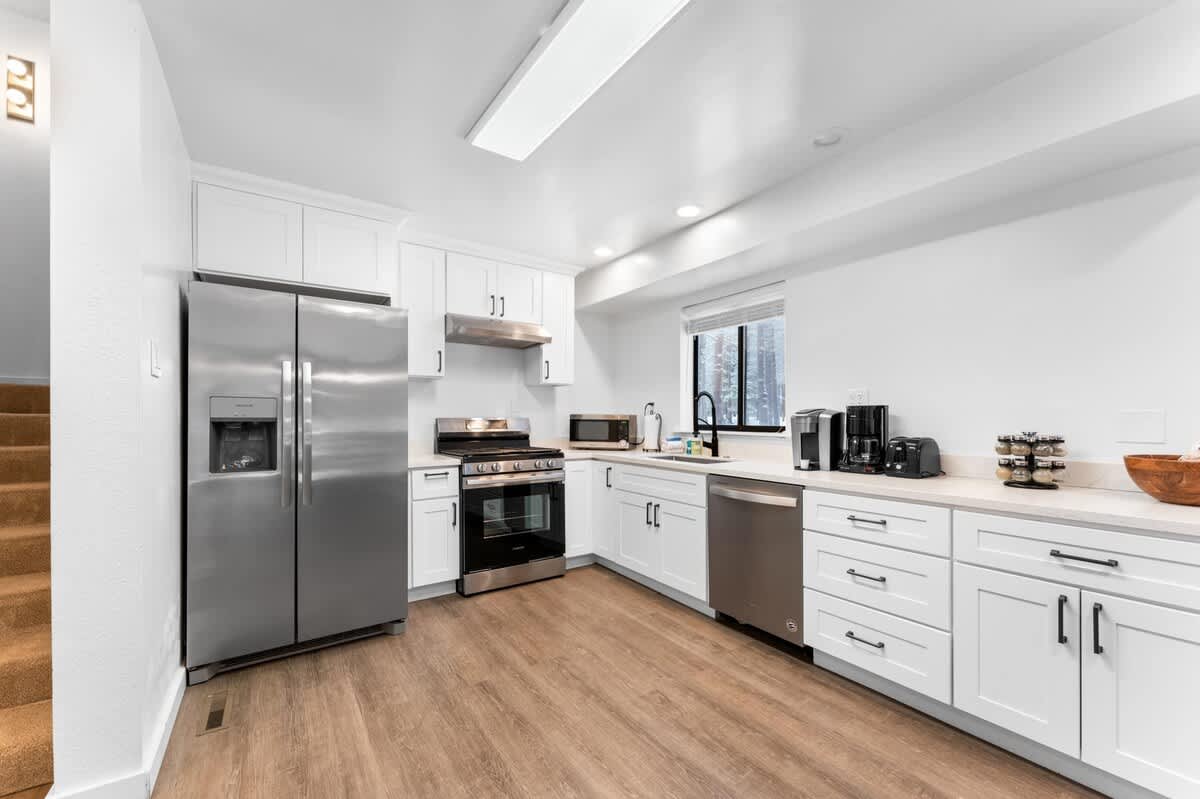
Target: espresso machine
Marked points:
866	437
817	439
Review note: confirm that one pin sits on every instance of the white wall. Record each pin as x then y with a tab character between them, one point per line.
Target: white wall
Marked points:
1053	322
119	238
25	213
490	381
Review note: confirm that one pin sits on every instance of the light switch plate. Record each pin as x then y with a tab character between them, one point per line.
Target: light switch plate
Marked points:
155	365
858	396
1141	427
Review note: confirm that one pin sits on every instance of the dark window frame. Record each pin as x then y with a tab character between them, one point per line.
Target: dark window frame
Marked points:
741	409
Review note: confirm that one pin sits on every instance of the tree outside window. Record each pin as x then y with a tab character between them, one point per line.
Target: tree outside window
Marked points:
742	366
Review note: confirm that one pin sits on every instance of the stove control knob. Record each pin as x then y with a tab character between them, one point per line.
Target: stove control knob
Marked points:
496	467
517	466
540	464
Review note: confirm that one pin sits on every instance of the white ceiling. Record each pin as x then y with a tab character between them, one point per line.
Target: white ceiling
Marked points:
724	102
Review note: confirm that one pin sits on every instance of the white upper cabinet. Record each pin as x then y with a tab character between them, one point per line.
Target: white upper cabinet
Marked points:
348	251
553	364
247	233
519	293
423	290
471	285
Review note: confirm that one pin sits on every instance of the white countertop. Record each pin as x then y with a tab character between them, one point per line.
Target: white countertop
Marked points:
428	460
1131	510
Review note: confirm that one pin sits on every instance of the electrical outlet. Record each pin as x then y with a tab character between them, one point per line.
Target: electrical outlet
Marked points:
858	396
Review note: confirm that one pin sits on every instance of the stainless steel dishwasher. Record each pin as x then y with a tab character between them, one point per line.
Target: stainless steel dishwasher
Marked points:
755	554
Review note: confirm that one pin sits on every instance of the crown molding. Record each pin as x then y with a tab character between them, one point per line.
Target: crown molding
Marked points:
467	247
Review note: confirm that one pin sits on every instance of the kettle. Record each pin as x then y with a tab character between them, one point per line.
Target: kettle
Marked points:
651	429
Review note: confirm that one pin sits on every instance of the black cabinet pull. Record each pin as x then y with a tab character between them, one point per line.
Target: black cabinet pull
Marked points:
439	361
502	306
880	522
547	370
648	506
853	573
493	297
1062	602
656	507
454	514
1096	648
1110	562
608	477
877	644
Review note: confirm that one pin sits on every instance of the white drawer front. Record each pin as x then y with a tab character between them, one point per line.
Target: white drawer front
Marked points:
1156	569
921	528
434	483
907	653
907	584
667	484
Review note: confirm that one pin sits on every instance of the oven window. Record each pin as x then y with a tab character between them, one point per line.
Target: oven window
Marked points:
513	513
590	430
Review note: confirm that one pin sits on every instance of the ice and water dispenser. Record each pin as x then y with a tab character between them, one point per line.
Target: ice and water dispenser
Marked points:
242	434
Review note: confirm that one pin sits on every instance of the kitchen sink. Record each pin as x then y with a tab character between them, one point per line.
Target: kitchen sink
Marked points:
691	458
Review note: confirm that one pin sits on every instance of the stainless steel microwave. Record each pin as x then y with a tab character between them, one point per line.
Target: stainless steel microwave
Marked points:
604	431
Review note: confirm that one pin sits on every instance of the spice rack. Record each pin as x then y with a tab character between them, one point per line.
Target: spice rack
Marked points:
1031	460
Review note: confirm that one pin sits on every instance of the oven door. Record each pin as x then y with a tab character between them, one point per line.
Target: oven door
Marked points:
509	519
600	432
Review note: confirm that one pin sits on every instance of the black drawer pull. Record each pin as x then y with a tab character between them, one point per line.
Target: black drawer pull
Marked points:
1096	648
853	573
435	475
649	505
608	477
1062	603
880	522
1110	563
877	644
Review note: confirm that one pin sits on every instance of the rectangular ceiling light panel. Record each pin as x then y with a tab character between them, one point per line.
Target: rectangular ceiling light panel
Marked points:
589	41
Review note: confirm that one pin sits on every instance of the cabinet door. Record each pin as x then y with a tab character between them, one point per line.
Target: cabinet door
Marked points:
683	535
249	234
637	545
348	251
471	285
423	285
1011	667
434	536
1141	693
604	510
519	293
579	508
553	364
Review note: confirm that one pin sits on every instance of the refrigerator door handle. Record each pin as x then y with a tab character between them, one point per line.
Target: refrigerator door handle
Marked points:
306	417
287	435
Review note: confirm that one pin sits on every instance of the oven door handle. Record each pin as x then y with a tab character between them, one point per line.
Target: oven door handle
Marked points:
530	478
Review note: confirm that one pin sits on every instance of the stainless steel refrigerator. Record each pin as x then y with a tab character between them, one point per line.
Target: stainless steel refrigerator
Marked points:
297	474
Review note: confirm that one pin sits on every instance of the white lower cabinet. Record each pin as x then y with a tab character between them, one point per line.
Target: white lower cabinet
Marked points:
637	546
682	532
604	510
434	537
578	511
1016	654
1141	693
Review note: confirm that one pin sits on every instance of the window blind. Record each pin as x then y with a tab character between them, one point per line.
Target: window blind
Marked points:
764	302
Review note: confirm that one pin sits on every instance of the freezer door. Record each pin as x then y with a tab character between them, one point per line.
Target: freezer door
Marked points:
240	555
352	517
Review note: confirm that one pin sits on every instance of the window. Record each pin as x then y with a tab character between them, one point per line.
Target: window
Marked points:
738	357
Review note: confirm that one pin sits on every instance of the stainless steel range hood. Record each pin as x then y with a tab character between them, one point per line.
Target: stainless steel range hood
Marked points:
494	332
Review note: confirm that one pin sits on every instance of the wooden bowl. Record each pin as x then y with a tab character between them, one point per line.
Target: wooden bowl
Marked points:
1166	478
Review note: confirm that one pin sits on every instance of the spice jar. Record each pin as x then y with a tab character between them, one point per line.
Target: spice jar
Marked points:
1043	447
1021	473
1043	474
1003	445
1060	448
1060	470
1004	470
1021	446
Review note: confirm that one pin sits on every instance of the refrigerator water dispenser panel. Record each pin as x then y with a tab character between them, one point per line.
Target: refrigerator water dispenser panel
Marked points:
243	433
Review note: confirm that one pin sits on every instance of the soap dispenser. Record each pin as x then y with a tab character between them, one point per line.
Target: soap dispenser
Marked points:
652	429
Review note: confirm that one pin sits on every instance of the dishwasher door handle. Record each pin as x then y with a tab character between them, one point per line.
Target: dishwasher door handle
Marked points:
777	500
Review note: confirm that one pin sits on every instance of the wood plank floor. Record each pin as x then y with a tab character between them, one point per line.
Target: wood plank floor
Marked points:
586	686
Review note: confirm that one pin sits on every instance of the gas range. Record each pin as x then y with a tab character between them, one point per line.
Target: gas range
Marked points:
494	460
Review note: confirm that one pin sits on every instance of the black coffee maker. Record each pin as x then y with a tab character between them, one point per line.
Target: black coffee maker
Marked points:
866	437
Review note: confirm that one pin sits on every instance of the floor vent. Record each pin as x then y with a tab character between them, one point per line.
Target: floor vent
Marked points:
215	720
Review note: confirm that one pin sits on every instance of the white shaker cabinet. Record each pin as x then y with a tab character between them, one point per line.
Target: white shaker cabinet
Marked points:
423	292
553	364
637	546
519	293
433	533
604	510
1016	654
1141	692
682	533
579	508
249	234
471	285
348	251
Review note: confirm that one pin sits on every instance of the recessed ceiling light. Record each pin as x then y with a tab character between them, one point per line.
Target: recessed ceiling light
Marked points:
603	252
16	96
18	67
586	44
688	211
829	138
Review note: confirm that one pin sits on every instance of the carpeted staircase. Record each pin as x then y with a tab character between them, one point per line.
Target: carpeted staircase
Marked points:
26	764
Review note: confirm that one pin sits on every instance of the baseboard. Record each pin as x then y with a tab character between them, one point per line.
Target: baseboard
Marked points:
576	561
1070	767
166	724
431	591
130	785
26	381
655	585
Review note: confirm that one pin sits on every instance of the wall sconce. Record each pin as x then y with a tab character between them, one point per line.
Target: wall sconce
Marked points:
18	96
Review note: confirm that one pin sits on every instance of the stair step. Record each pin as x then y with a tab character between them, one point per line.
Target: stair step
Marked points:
22	398
24	550
29	464
22	429
25	747
24	603
24	504
25	667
